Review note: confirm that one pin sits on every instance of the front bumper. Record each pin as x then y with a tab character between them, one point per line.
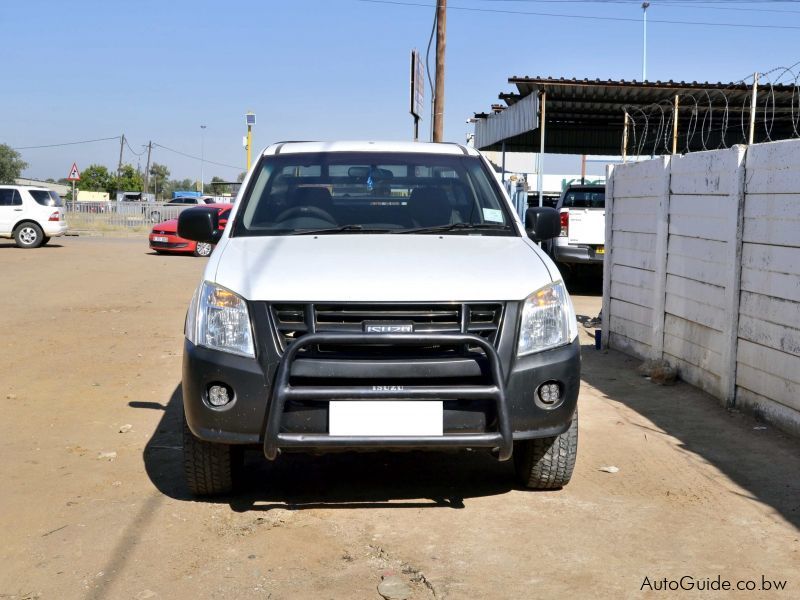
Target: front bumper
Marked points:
275	407
173	243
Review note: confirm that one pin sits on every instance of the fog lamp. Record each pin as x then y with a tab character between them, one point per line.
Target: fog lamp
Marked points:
550	393
219	394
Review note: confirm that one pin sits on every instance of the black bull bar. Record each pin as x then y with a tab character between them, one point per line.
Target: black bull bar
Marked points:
500	440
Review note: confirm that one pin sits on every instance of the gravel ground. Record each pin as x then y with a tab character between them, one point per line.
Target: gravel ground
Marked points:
91	343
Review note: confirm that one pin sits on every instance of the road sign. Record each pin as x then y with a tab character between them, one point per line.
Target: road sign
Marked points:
417	84
74	174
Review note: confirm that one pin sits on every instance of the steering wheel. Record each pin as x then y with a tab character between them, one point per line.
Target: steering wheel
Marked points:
305	211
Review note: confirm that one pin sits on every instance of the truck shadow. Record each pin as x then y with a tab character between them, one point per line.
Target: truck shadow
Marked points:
763	461
336	480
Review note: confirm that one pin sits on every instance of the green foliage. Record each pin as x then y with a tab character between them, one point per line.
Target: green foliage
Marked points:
241	176
129	180
95	178
175	184
214	187
158	177
11	164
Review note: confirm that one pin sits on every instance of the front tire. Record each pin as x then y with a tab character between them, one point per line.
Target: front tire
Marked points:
547	463
28	235
203	249
210	469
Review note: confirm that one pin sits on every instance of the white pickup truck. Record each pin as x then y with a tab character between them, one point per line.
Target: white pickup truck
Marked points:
383	296
582	210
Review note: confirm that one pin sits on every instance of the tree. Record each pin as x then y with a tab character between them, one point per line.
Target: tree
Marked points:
214	187
241	176
11	164
95	178
174	184
128	180
159	174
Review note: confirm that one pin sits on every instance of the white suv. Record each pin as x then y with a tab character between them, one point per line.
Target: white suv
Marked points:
30	215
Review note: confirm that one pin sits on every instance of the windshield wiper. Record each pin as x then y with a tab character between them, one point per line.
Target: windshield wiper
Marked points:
455	226
341	229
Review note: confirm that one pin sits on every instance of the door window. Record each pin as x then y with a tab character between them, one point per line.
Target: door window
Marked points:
10	197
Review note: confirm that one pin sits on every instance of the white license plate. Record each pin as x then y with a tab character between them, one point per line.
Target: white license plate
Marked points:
157	238
386	417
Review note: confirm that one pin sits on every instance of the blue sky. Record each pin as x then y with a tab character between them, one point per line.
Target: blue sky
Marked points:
325	69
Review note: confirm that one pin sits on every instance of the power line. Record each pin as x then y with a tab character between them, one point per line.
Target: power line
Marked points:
661	4
116	137
132	150
211	162
585	17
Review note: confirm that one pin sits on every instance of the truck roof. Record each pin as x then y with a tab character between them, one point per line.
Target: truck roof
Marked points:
293	147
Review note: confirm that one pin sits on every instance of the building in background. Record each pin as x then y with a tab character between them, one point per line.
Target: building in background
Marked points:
59	188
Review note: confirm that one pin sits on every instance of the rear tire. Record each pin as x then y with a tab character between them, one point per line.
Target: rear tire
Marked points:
210	469
547	463
45	239
28	235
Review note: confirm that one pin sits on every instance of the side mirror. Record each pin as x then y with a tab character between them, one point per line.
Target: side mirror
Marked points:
542	223
200	224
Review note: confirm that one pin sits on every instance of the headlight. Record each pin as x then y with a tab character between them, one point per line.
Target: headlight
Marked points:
548	320
219	319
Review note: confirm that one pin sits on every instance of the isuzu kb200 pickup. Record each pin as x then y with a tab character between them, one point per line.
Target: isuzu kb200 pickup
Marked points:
379	296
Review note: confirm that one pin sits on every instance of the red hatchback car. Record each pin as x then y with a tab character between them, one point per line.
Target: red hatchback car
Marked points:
164	236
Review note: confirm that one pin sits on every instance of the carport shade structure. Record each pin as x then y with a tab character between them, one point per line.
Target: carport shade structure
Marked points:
596	117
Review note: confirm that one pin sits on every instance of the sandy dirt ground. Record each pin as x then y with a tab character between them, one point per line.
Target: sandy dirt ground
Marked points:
90	341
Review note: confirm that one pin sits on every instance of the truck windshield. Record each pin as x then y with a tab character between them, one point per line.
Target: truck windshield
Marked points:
371	192
587	198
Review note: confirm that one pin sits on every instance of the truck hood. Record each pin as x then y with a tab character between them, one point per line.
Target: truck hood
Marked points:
379	268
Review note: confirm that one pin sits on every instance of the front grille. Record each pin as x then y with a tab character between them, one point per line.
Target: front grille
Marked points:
293	320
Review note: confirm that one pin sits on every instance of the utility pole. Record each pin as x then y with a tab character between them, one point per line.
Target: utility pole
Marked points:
645	5
250	120
438	102
147	169
202	158
119	165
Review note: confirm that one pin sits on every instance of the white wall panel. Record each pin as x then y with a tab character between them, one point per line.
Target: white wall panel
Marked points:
704	271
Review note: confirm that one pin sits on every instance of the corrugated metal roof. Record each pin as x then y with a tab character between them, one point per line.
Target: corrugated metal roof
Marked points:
586	116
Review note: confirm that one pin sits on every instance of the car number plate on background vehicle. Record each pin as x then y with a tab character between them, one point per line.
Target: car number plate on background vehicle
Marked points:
600	250
157	238
386	417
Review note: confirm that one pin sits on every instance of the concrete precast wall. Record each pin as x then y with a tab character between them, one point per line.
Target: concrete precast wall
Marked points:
703	270
634	194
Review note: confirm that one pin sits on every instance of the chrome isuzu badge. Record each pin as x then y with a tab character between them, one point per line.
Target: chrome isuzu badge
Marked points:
384	327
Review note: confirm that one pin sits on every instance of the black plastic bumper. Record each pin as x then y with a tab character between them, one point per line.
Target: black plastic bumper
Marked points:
473	415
